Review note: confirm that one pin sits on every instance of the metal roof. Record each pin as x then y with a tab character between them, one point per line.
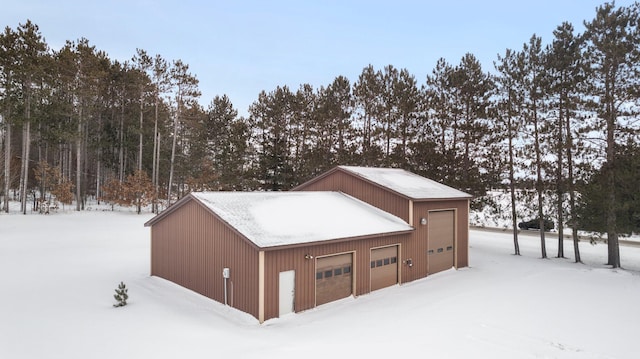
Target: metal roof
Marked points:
270	219
406	183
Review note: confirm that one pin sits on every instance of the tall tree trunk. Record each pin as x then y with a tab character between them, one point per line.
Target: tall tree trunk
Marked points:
39	136
539	189
121	145
98	175
99	161
79	163
571	189
612	232
26	143
61	159
559	181
140	135
24	175
154	168
512	187
7	165
467	140
387	131
367	140
451	173
85	164
173	154
69	154
158	170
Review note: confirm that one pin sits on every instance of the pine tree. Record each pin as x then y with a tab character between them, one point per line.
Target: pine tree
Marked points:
472	88
566	69
613	40
271	118
186	91
367	95
31	49
407	97
304	139
593	206
121	295
509	105
8	104
80	84
438	137
227	139
534	82
160	84
336	136
143	63
389	112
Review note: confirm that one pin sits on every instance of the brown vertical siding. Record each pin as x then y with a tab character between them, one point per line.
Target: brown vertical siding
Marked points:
294	259
418	247
462	224
392	202
191	246
363	190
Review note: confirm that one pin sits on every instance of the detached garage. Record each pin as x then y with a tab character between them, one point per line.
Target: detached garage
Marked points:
348	232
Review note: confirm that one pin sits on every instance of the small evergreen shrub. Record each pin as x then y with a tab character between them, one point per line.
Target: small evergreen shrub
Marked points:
121	295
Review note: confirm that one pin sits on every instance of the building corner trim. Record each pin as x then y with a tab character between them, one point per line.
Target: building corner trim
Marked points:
411	213
261	286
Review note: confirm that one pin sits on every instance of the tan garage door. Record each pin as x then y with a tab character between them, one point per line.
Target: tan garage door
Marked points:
384	267
333	278
441	240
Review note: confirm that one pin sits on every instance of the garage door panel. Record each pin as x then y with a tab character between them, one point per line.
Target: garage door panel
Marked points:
334	278
441	241
384	267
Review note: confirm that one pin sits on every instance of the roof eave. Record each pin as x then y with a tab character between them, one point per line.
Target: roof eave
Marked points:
335	240
440	199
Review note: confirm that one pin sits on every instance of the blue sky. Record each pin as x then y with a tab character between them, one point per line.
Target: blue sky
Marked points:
239	48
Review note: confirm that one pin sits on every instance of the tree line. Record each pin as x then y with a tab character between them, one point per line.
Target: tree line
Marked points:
556	121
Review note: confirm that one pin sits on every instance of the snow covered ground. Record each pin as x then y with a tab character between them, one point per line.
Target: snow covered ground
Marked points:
58	274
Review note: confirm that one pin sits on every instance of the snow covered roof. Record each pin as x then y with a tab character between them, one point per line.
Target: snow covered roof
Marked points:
406	183
270	219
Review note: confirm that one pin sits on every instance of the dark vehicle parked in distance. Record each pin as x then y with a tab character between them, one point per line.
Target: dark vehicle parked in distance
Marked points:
535	224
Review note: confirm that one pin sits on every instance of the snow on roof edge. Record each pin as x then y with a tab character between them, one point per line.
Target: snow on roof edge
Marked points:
271	219
407	183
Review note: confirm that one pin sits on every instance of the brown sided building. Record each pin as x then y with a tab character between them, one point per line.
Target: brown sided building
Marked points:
347	232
